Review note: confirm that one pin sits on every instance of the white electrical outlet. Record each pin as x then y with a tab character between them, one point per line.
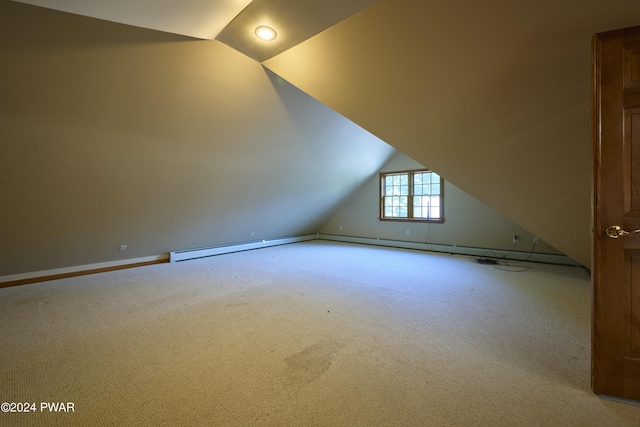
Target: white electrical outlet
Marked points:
340	228
536	240
408	232
515	238
123	247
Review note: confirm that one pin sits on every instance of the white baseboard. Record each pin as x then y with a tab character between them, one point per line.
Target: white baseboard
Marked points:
454	249
183	255
172	257
187	254
80	268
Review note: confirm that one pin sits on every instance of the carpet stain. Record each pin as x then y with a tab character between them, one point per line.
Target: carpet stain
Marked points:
309	364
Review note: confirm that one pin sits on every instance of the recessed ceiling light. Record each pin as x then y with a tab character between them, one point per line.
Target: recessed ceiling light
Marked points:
266	33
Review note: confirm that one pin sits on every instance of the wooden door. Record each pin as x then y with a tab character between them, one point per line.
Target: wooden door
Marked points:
616	255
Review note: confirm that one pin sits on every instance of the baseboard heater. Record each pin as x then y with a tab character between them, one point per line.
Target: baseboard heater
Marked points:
187	254
454	249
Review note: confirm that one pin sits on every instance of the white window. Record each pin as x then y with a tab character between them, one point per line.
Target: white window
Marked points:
411	196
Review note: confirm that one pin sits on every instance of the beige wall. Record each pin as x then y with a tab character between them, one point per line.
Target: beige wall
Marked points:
468	222
113	135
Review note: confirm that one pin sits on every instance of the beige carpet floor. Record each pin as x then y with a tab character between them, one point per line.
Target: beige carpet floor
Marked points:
307	334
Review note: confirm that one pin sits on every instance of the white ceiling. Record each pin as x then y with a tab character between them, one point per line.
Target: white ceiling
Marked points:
294	20
230	21
202	19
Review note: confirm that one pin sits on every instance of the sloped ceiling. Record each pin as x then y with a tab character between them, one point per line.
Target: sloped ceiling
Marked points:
493	95
230	21
202	19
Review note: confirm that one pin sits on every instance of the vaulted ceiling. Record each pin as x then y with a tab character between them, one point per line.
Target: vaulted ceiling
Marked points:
494	95
229	21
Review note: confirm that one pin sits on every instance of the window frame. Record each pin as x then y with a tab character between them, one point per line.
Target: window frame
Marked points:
410	196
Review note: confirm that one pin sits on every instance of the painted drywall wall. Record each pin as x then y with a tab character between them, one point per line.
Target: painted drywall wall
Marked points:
468	222
113	135
494	95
